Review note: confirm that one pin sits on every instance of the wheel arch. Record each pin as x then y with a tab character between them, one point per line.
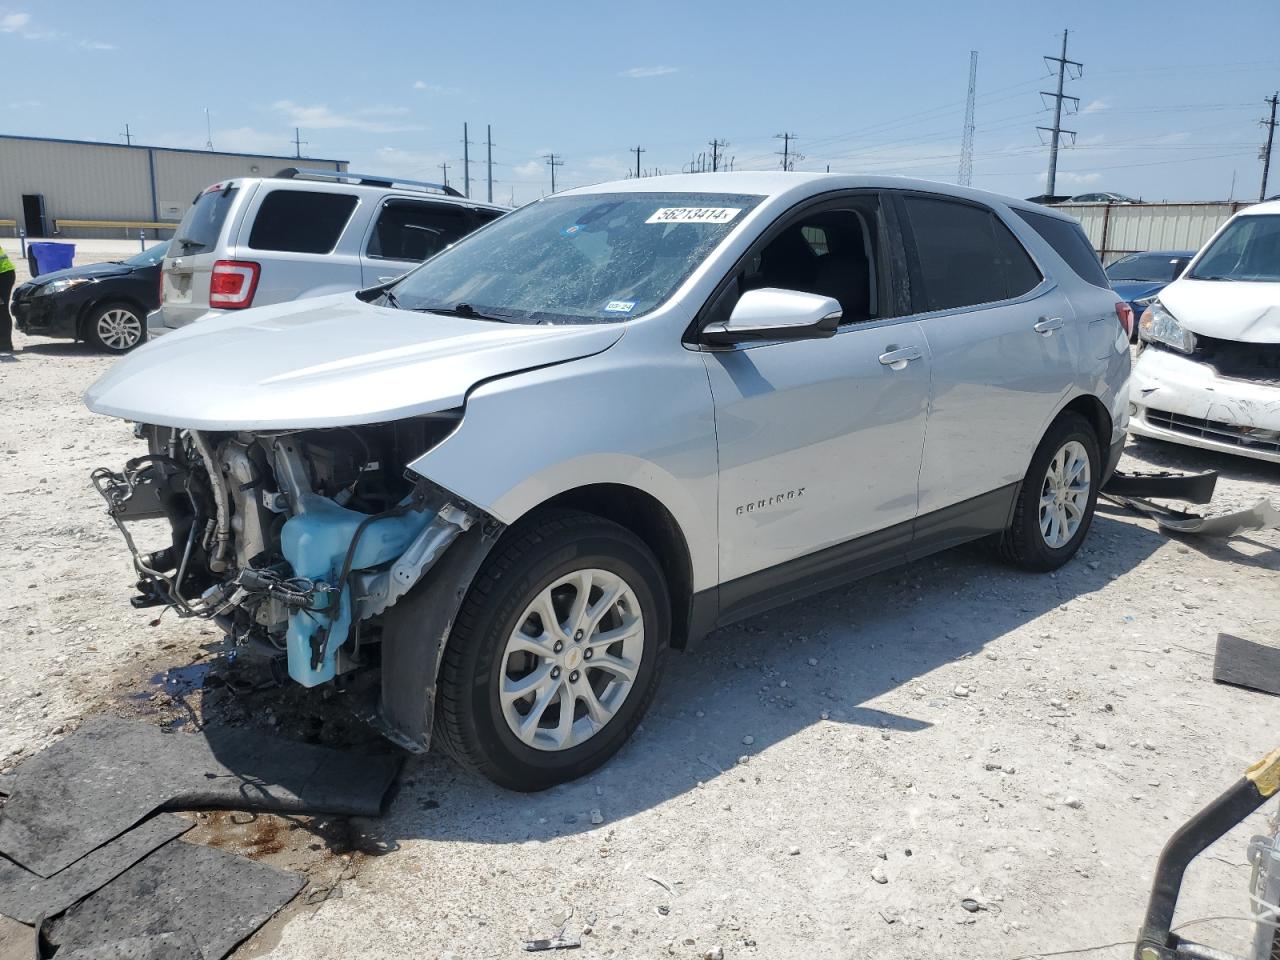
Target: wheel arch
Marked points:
645	516
1095	411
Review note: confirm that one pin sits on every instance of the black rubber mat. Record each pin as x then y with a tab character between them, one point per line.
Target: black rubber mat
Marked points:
160	946
26	896
98	782
218	898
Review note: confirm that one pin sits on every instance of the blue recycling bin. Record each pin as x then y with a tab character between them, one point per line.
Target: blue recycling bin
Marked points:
51	256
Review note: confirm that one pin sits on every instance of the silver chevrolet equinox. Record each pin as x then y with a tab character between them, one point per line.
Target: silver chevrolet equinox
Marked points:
489	495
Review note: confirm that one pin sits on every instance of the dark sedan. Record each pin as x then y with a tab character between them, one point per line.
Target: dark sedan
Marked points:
1140	276
105	304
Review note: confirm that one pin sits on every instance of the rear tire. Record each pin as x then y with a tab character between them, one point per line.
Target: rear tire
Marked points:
577	711
1055	504
115	327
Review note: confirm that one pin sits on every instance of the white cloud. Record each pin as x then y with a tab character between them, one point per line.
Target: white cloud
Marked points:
1095	106
530	170
13	22
637	73
321	117
1079	179
438	88
96	45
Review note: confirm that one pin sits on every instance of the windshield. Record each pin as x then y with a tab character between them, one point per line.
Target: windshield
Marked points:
202	225
1248	249
148	257
597	258
1156	267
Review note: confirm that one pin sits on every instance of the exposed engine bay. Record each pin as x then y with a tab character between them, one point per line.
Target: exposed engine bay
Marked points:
295	542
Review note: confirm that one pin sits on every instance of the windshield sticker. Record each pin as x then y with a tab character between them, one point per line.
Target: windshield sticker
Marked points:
620	306
572	230
694	215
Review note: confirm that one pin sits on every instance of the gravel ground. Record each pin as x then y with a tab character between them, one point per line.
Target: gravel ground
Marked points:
832	779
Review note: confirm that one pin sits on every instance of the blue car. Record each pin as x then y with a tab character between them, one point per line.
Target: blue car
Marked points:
1139	277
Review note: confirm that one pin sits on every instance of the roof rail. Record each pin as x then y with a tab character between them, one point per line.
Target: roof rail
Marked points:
367	179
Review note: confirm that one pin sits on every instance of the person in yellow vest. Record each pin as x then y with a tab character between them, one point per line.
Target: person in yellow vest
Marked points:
7	274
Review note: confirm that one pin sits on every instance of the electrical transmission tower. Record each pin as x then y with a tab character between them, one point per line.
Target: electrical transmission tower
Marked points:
466	162
128	136
553	161
488	143
1266	147
298	143
637	151
444	172
717	154
789	156
966	144
1055	132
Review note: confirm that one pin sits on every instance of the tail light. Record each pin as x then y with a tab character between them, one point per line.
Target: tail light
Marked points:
232	284
1124	313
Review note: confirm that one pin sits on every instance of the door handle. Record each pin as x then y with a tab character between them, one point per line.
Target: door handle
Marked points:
897	358
1047	325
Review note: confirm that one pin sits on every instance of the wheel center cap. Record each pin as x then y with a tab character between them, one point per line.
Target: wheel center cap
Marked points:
573	658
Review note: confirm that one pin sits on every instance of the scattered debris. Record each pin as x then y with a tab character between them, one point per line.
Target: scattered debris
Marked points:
560	942
660	882
878	874
1245	663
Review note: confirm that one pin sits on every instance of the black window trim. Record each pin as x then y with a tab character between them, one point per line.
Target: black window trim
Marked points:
1047	281
833	200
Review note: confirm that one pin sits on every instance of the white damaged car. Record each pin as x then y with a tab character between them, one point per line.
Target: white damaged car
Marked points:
502	486
1208	368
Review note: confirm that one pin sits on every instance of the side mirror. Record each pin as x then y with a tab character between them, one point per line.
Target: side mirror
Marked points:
1179	265
773	314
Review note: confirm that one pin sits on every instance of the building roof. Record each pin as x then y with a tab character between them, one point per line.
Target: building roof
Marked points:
139	146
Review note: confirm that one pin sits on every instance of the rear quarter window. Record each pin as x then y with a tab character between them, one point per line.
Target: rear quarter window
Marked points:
301	221
1070	243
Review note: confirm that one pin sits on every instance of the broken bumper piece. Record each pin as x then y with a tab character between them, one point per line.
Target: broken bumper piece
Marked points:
1134	490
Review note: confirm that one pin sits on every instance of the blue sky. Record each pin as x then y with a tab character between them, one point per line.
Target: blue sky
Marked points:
1170	97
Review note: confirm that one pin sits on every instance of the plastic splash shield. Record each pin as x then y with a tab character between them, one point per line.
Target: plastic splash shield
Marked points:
315	542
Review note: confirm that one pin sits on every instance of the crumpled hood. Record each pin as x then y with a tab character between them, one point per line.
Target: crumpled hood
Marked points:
324	362
1228	310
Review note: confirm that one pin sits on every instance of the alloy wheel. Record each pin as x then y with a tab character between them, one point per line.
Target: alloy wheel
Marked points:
1064	495
572	660
119	329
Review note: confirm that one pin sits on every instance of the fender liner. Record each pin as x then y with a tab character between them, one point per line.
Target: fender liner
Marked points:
414	634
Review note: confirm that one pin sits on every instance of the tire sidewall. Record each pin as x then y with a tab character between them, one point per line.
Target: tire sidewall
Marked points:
96	314
1068	429
515	763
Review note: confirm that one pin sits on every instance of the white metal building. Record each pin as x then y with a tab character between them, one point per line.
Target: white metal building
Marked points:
1116	229
43	180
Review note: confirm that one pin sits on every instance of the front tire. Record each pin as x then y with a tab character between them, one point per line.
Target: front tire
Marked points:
555	654
1055	505
115	327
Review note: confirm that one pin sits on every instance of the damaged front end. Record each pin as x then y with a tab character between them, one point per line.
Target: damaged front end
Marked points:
298	543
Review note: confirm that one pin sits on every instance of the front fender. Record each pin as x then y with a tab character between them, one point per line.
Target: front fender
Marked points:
645	423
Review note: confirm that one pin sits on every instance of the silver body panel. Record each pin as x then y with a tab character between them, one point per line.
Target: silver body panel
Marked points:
549	409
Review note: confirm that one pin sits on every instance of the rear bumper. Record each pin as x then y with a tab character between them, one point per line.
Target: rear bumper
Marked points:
1182	401
45	316
158	325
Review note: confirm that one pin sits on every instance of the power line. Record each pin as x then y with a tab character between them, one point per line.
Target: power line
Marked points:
637	151
553	161
966	141
488	143
789	157
1266	149
444	172
128	136
297	143
466	162
1056	130
716	156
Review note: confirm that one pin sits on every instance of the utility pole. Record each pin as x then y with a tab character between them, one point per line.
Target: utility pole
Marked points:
297	143
128	136
789	157
444	172
488	146
1055	132
966	143
553	161
637	151
466	163
208	131
1266	148
716	155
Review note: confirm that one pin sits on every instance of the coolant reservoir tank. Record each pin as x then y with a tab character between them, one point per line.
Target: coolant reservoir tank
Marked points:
315	542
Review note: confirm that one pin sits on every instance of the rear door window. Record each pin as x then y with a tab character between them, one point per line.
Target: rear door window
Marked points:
202	225
301	221
1069	241
966	255
415	230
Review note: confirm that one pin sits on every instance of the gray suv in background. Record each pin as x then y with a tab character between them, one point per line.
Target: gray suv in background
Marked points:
256	241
